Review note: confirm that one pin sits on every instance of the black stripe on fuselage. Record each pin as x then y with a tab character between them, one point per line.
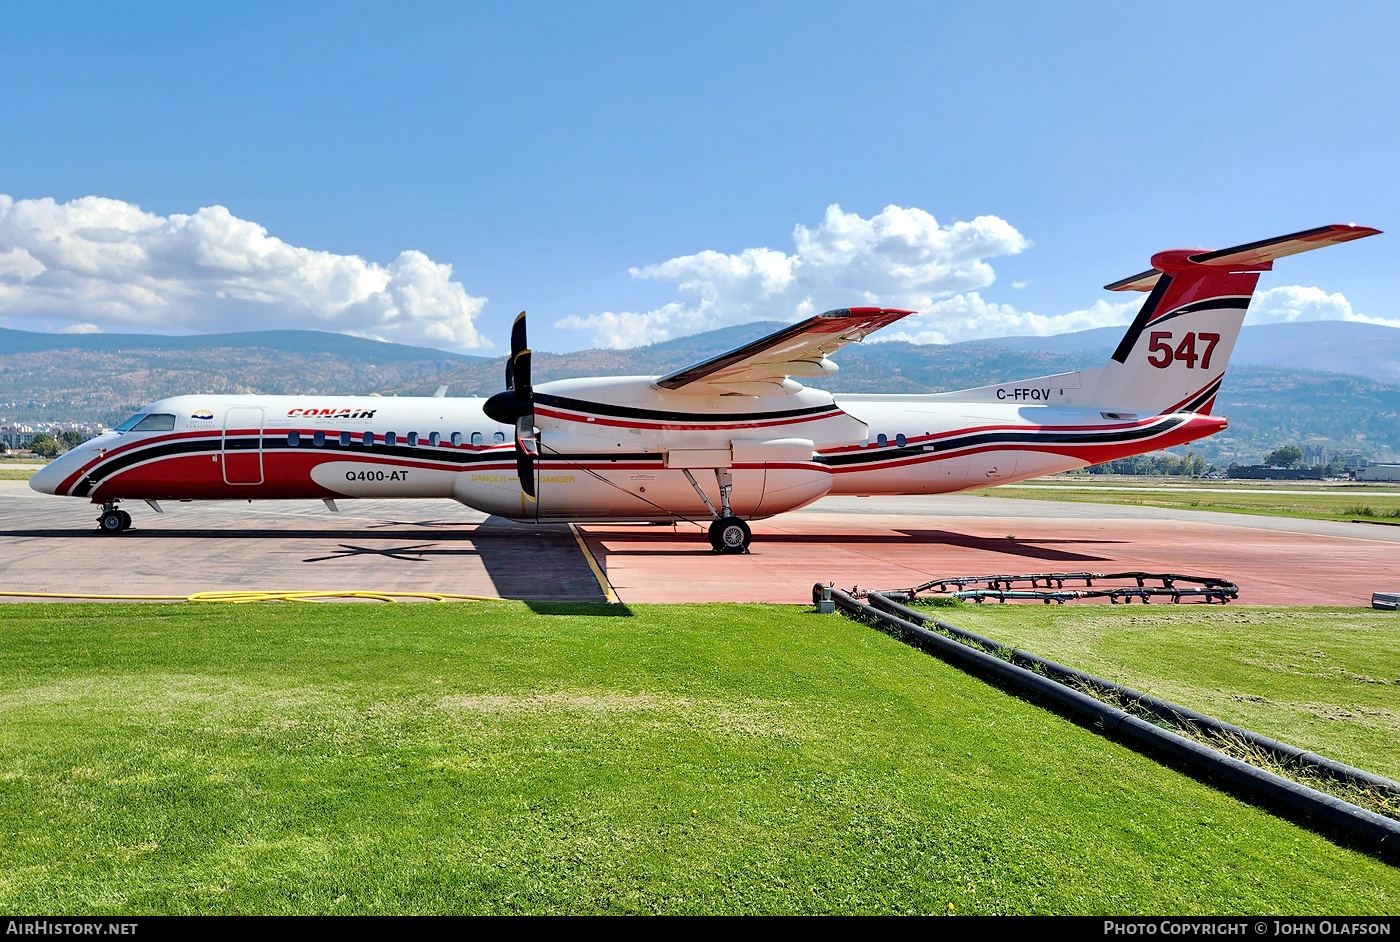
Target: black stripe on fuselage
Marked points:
1007	437
657	415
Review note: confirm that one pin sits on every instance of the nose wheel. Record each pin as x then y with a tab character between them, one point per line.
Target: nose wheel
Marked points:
113	519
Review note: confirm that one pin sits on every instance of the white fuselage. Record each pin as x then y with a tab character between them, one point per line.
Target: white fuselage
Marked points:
611	449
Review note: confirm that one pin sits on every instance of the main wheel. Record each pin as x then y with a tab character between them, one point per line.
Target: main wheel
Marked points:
730	535
126	519
111	522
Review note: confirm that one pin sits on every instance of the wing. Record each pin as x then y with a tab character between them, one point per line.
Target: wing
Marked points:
763	368
1254	253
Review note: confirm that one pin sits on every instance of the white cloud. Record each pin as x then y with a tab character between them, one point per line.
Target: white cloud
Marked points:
968	317
81	329
102	263
897	258
1298	303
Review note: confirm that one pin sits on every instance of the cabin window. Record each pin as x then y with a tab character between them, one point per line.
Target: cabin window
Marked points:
390	438
344	439
476	438
882	440
434	438
367	439
318	439
156	422
412	439
294	439
456	439
499	437
900	439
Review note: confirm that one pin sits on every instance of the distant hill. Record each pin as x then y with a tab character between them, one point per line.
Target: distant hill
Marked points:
1325	346
285	341
103	377
894	366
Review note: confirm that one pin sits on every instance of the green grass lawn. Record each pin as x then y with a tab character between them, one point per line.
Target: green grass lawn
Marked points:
486	758
16	474
1379	502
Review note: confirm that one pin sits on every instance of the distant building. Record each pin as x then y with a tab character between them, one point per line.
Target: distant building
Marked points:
1379	472
17	436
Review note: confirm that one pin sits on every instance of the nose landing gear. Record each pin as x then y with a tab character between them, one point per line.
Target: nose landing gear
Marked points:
113	519
728	533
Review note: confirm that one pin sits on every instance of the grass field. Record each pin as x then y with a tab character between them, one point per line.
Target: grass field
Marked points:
1286	499
16	474
490	758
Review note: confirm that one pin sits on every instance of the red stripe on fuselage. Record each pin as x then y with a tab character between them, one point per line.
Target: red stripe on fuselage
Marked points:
1089	452
286	472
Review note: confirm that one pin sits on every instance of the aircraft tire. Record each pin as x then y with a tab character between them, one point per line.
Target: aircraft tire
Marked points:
126	519
730	535
111	522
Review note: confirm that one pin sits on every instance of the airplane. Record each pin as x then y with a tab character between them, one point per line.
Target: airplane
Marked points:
735	438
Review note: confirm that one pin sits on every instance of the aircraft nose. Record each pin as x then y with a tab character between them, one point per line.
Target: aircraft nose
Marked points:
47	479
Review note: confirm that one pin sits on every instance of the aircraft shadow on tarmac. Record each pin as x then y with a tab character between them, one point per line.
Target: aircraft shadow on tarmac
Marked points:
1027	548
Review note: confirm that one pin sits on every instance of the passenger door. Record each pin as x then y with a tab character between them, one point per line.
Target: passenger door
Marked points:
242	445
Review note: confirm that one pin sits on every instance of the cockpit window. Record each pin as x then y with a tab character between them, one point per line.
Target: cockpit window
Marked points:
130	423
155	422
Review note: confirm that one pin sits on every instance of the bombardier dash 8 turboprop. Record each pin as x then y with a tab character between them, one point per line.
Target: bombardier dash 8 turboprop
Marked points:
738	437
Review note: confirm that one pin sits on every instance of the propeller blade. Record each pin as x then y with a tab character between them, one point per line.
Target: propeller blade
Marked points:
517	344
517	334
516	406
527	450
517	400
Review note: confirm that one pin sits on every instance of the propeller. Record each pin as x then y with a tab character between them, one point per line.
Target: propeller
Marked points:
516	406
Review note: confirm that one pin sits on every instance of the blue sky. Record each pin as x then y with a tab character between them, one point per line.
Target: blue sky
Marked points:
545	150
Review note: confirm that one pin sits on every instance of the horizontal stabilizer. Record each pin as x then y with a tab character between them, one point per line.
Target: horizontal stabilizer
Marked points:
1253	254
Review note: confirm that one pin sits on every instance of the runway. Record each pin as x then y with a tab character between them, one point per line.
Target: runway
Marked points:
47	544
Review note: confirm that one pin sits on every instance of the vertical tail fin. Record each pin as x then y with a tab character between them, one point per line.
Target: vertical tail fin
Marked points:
1174	355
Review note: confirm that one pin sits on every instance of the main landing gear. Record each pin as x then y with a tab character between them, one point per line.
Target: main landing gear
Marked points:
728	534
113	519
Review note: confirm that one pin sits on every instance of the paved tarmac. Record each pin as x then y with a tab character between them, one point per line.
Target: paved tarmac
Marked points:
47	544
890	543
